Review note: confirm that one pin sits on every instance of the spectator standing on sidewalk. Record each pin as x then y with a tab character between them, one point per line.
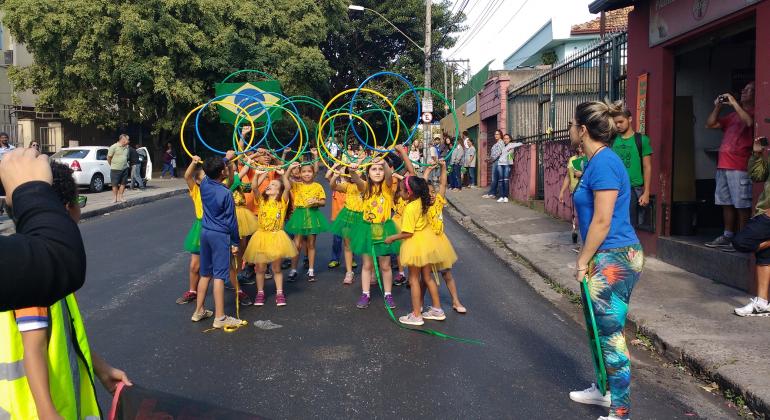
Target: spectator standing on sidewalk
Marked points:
135	160
117	158
575	166
756	236
456	163
169	162
494	155
504	165
733	190
636	153
611	259
469	160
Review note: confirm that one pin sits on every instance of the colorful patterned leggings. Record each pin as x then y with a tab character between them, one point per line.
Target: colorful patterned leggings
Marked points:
612	275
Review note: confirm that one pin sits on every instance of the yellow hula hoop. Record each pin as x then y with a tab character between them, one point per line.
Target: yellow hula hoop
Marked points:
242	110
299	146
343	114
319	139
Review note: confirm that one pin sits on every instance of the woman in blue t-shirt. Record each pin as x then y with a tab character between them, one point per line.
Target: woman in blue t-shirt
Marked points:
611	259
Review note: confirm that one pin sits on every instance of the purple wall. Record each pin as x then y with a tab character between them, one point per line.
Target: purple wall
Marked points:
521	173
555	157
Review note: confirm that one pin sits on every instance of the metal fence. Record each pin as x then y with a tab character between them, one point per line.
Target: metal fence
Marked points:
540	109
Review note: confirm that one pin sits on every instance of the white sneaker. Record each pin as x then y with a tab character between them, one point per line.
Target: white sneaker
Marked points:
612	418
591	396
505	199
486	196
501	200
754	308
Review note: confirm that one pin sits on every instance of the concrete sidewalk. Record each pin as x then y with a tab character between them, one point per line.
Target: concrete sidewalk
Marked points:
101	203
689	318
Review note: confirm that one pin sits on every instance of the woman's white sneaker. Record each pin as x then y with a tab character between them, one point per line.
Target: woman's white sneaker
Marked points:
501	200
591	396
754	308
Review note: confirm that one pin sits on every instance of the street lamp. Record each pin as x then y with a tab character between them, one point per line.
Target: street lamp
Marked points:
427	104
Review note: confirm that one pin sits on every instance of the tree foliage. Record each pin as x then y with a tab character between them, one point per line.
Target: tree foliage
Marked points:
109	62
117	62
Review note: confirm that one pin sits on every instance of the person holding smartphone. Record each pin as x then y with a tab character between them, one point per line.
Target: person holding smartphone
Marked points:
733	186
756	236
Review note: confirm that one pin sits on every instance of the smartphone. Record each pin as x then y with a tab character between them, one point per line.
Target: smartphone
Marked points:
763	141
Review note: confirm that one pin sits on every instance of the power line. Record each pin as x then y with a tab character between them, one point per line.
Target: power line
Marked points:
516	13
486	16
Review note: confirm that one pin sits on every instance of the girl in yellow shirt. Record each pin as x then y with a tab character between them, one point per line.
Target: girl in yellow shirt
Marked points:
270	243
306	220
376	225
349	219
436	221
418	251
192	243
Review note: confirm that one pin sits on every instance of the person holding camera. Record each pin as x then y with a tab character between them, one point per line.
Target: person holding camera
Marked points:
733	185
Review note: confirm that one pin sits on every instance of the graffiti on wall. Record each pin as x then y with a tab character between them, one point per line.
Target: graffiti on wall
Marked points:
555	157
520	176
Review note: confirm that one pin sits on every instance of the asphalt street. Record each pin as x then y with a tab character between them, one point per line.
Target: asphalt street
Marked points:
330	359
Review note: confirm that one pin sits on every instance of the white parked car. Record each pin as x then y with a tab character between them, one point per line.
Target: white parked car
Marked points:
90	167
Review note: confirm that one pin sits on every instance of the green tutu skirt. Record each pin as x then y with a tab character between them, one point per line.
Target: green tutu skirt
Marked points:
307	221
192	243
368	233
347	223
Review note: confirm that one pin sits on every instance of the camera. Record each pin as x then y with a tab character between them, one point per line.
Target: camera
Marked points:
723	99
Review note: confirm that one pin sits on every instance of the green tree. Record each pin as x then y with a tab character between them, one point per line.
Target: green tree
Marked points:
113	63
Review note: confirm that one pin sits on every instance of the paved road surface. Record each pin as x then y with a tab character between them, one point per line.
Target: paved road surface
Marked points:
331	360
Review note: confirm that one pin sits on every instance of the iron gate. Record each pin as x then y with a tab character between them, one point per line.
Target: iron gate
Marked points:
540	109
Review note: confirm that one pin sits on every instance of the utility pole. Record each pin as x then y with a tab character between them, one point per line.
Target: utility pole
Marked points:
446	92
427	98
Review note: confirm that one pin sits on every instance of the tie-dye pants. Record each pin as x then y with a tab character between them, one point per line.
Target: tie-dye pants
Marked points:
612	275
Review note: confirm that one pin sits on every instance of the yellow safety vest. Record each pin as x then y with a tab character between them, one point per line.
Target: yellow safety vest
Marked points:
70	371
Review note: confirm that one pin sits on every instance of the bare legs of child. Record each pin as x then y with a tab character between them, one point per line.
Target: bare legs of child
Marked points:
280	298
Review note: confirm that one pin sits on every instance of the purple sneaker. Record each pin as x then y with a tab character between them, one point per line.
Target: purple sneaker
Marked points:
260	299
280	299
363	301
389	301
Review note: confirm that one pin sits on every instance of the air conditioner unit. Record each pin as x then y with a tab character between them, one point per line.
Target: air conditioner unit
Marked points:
8	57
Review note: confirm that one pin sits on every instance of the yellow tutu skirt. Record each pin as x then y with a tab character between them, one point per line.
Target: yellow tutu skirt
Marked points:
265	247
447	252
247	222
420	250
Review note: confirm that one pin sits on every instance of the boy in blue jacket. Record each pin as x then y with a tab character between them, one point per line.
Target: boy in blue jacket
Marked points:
219	239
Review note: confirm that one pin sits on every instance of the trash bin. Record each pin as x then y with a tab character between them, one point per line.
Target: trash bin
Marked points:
684	218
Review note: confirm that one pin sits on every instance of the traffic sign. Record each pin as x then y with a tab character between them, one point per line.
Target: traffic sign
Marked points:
427	117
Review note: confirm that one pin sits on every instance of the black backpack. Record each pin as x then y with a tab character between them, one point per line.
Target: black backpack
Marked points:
638	139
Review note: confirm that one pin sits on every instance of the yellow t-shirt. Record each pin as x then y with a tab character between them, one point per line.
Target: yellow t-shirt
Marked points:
195	196
414	219
353	201
436	214
573	180
271	214
398	208
378	207
302	193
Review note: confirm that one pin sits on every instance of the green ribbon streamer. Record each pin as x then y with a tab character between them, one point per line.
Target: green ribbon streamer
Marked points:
404	327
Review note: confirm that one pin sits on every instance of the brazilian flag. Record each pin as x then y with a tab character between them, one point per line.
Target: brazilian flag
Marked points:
255	97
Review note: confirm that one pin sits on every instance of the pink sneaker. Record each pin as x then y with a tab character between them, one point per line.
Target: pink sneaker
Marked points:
260	299
280	300
349	278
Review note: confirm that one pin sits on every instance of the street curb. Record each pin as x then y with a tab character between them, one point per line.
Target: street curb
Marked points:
131	203
673	353
119	206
